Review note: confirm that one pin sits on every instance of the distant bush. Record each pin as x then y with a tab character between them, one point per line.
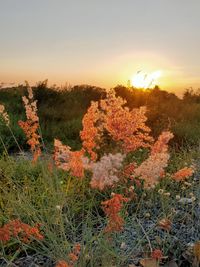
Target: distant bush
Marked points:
61	112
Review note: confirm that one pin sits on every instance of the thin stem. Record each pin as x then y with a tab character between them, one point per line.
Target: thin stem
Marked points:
4	145
40	133
15	139
145	234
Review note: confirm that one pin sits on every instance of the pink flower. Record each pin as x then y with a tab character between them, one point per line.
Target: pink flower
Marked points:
104	171
153	167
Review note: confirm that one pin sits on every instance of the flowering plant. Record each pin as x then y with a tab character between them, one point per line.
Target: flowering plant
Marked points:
20	230
31	125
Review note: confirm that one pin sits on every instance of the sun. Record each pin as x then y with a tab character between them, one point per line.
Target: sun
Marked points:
144	80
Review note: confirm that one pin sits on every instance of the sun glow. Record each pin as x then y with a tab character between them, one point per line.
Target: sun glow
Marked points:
144	80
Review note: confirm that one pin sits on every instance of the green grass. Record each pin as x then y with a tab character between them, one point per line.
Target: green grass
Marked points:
69	211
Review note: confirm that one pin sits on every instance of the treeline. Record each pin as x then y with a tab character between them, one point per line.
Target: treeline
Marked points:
61	112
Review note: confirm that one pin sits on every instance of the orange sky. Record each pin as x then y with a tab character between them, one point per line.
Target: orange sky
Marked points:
102	43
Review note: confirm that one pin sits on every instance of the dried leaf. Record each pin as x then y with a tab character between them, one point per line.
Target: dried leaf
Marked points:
149	262
165	224
196	250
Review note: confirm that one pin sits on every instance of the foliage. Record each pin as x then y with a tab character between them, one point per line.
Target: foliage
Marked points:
73	214
61	112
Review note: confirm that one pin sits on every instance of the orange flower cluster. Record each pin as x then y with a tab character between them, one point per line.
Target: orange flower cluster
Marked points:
129	170
22	231
183	174
128	129
125	127
156	254
153	167
112	208
62	263
31	125
4	115
75	253
68	160
109	117
90	135
73	256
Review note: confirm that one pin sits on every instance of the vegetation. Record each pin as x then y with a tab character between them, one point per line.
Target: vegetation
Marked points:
123	186
61	112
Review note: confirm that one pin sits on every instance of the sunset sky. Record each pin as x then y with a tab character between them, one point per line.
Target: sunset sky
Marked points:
101	43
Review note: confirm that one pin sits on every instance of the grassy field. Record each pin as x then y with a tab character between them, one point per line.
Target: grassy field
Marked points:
52	215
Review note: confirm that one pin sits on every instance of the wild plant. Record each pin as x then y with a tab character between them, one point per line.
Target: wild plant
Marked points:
107	125
31	125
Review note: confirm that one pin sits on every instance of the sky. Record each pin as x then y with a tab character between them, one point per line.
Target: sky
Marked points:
100	42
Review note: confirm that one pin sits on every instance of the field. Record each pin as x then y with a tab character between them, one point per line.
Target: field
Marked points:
90	177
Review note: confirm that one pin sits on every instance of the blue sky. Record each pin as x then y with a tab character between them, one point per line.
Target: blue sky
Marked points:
100	42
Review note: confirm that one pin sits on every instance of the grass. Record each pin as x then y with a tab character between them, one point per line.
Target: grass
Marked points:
70	211
67	209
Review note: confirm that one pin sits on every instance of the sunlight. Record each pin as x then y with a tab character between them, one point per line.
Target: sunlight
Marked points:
144	80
